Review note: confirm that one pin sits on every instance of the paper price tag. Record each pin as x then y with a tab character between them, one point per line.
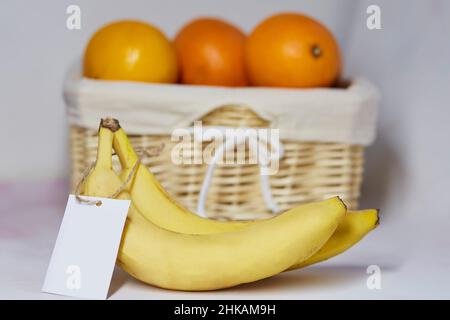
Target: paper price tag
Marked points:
86	249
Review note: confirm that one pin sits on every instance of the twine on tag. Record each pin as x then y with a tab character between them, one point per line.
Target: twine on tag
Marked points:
113	196
113	125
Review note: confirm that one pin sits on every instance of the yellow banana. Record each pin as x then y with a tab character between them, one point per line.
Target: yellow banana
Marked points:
189	262
155	203
352	228
157	206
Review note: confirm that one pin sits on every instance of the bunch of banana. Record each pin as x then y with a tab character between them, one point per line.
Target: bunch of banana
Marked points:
167	246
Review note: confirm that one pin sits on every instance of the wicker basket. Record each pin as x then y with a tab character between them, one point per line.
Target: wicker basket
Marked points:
308	171
323	133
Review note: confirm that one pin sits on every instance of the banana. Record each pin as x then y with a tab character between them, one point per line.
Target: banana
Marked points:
351	230
157	206
155	203
190	262
208	262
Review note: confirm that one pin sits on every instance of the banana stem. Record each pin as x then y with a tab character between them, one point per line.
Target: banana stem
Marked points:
104	148
123	148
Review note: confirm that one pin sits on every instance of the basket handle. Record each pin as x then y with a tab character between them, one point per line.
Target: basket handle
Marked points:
256	143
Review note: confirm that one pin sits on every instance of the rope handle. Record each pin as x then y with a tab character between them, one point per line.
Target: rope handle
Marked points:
230	144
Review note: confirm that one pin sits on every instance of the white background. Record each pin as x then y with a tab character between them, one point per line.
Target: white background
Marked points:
408	167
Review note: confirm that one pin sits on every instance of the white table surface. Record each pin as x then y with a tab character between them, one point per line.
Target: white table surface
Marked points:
412	265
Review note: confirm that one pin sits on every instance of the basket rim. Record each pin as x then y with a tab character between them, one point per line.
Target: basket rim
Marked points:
318	114
355	87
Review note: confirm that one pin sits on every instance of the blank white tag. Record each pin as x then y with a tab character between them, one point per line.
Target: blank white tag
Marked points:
86	249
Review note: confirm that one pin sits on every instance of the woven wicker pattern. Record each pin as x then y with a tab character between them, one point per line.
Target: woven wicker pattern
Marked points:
308	171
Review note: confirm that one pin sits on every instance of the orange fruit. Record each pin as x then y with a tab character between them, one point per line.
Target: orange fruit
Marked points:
292	50
211	52
130	50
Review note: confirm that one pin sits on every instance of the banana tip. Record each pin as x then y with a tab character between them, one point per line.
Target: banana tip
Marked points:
378	218
343	203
